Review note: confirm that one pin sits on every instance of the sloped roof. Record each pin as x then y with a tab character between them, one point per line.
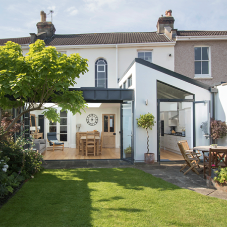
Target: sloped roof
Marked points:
22	40
97	38
201	33
107	38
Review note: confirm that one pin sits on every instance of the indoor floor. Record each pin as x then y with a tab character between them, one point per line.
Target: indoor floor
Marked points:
73	153
166	155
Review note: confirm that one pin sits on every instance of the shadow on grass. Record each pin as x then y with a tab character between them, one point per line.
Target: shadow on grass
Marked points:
69	197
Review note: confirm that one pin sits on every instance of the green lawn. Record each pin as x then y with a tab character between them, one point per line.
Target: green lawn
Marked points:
108	197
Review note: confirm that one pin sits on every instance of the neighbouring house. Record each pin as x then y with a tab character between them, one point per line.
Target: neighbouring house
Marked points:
133	73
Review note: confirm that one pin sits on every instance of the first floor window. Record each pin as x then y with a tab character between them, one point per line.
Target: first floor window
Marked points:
130	81
202	61
124	85
145	55
101	73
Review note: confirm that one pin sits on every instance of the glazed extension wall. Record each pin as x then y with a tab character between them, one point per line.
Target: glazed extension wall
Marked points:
184	60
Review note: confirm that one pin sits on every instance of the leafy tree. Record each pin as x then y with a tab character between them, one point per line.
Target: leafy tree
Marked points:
146	121
43	75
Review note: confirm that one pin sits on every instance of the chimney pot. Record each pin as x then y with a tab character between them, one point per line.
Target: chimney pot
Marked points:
168	13
43	16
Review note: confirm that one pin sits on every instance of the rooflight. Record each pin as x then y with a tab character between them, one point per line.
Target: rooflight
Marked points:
94	105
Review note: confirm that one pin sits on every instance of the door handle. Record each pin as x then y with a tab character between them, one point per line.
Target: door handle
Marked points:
114	134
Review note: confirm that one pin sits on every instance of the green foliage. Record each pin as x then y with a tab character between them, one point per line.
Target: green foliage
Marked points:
17	164
43	75
218	129
146	121
221	175
128	150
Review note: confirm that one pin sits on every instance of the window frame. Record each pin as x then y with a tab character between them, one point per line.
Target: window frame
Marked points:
130	81
105	71
144	51
209	63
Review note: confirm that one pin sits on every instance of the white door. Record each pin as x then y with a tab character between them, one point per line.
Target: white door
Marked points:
60	128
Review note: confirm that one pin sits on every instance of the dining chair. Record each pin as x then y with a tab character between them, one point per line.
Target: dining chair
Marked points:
99	146
191	161
90	143
53	141
82	146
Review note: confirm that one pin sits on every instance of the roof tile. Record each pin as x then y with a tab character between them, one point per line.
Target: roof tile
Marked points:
201	33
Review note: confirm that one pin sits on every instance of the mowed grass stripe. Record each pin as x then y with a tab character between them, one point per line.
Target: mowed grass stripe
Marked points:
108	197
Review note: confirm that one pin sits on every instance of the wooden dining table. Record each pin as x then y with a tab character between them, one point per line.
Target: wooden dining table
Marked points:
221	156
97	138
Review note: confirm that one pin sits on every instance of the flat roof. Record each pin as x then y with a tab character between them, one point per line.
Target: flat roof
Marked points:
106	95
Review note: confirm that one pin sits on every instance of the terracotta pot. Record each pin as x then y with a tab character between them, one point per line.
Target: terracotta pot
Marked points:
149	158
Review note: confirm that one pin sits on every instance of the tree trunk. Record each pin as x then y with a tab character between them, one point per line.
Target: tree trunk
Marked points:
147	141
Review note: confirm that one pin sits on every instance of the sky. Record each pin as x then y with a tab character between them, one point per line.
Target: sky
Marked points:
18	18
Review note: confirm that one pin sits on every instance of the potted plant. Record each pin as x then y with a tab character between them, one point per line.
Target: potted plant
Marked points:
147	121
128	151
218	129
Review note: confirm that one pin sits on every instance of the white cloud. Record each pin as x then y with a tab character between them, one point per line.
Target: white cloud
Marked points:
94	5
72	11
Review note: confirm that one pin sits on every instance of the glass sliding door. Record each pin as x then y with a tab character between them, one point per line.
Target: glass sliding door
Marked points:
127	131
202	123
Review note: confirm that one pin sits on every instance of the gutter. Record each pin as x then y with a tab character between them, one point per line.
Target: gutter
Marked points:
114	45
202	38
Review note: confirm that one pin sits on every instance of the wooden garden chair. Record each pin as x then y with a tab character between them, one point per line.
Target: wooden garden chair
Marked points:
192	161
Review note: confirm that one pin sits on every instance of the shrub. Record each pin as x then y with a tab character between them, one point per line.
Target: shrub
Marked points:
7	181
221	175
21	164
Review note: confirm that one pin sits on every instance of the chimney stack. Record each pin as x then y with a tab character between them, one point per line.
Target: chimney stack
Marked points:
166	21
46	28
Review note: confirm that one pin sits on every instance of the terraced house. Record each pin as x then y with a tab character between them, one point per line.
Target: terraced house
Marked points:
169	73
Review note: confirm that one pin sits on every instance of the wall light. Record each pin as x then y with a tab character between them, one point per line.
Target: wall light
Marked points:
146	102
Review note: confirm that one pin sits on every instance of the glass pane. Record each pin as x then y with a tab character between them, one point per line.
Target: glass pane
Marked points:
63	114
101	62
205	53
63	129
52	129
101	75
124	85
101	68
202	124
197	53
141	55
127	129
197	67
111	123
63	121
63	137
105	123
148	56
52	123
101	83
205	67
